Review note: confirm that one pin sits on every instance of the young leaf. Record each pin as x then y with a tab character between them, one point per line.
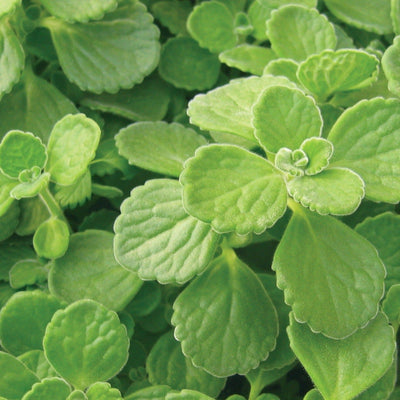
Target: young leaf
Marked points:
77	395
335	191
23	320
37	363
228	108
233	190
365	139
186	65
334	71
285	117
390	66
156	238
77	11
87	52
297	32
350	365
86	343
318	151
211	314
89	270
8	6
20	151
72	145
283	67
27	272
344	268
103	391
166	365
12	57
30	189
48	389
173	14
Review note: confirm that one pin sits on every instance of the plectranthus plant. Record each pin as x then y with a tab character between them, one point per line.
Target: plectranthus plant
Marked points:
198	199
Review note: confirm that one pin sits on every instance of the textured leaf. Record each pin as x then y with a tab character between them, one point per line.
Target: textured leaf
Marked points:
103	391
391	305
334	71
344	268
283	67
89	54
89	270
186	65
391	67
233	190
156	238
297	32
78	11
173	14
48	389
365	138
86	343
212	314
72	145
285	117
166	365
158	146
30	189
27	272
350	365
318	151
23	320
37	363
8	6
228	108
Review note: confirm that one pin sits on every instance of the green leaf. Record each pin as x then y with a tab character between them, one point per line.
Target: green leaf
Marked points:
391	67
383	231
77	395
48	389
72	145
33	213
187	395
283	67
30	189
335	191
344	268
156	238
23	320
87	52
146	300
215	335
186	65
313	394
297	32
19	151
27	272
228	108
103	391
247	58
77	11
173	15
158	146
334	71
391	305
75	194
233	190
373	16
258	14
395	15
365	139
212	25
166	365
285	117
6	185
89	270
8	6
12	57
109	192
16	379
350	365
318	151
86	343
9	221
150	393
37	363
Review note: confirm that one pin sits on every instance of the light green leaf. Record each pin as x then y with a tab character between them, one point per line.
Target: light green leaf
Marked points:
365	138
77	11
166	365
350	365
283	67
391	305
16	379
228	108
336	191
77	395
150	393
89	270
27	272
297	32
48	389
19	151
87	52
344	268
6	185
75	194
158	146
383	231
212	25
334	71
103	391
291	162
72	145
9	221
30	189
215	335
156	238
186	65
187	395
173	14
109	192
285	117
86	343
395	15
24	318
313	394
248	58
5	293
279	3
373	16
258	14
391	67
8	6
319	151
12	57
233	190
37	363
33	213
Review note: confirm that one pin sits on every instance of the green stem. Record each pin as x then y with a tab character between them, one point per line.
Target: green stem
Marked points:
255	388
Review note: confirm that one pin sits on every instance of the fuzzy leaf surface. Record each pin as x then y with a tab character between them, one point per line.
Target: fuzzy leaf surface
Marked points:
48	389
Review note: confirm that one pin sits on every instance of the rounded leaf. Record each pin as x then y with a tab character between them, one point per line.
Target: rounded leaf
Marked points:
48	389
391	67
319	151
103	391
